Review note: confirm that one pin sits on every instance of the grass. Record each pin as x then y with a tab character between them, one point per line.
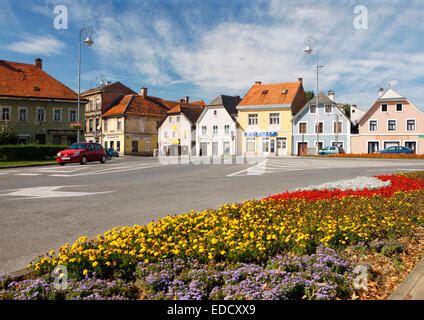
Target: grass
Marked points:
7	164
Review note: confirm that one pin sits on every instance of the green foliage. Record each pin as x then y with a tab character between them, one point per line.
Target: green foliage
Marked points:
28	152
309	95
7	135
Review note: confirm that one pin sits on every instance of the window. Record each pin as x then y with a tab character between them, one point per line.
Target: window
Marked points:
23	114
106	123
226	148
23	139
178	118
227	129
250	145
215	112
90	125
170	119
174	134
274	118
319	127
399	107
303	127
57	115
411	145
97	124
118	145
338	126
41	114
373	125
410	125
5	115
384	107
215	150
328	108
313	108
391	125
119	125
337	144
215	130
390	144
72	115
253	119
165	134
147	145
204	130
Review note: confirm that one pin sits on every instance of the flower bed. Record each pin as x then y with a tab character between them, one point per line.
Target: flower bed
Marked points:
219	241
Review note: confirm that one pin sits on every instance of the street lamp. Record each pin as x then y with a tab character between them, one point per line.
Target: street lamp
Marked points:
88	33
308	50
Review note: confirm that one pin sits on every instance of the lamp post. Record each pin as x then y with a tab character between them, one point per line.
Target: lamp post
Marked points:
308	51
88	32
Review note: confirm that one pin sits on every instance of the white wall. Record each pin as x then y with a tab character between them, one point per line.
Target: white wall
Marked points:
175	130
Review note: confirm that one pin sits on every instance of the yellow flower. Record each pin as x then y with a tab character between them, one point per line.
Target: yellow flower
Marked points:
85	272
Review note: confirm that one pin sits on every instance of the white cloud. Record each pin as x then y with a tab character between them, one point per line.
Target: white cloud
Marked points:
42	45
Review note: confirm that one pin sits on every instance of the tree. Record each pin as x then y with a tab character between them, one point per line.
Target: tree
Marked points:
7	135
346	110
309	95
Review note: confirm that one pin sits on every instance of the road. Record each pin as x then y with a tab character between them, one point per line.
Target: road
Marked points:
44	207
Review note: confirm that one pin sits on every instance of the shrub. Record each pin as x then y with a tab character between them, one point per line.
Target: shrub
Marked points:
28	152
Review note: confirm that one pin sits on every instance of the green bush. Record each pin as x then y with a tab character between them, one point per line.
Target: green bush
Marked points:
28	152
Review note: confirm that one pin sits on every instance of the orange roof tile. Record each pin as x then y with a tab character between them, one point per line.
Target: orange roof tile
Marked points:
135	104
191	111
262	94
28	81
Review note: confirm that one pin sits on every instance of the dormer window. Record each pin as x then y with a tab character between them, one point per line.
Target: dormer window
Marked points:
328	108
264	91
285	91
384	108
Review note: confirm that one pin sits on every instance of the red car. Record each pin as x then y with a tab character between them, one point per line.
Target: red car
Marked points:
81	152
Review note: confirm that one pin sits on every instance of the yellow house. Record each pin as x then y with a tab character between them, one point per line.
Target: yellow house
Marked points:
265	116
130	125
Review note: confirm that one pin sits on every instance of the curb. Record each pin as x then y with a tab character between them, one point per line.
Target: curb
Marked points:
19	274
28	166
412	288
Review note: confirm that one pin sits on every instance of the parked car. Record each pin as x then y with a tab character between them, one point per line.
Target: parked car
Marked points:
110	152
331	150
396	150
81	152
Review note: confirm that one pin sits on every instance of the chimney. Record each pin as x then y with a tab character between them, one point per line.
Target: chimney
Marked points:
38	63
143	92
380	92
332	95
300	79
258	83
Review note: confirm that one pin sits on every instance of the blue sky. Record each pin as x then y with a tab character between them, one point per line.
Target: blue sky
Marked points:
204	48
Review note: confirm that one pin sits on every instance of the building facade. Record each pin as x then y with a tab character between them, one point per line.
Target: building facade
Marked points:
38	107
217	130
392	120
265	116
327	123
130	125
99	100
177	130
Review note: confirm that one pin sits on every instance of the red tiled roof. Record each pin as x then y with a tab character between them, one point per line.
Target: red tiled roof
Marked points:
135	104
28	81
260	94
191	111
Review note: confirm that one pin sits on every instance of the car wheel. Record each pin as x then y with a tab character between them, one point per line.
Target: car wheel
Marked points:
84	160
62	164
103	159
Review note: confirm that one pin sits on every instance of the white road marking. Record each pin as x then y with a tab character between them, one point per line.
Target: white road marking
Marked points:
46	192
28	174
250	170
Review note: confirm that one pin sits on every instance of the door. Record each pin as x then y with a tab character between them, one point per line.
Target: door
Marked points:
373	147
215	148
227	148
134	146
203	151
40	138
282	146
272	146
302	149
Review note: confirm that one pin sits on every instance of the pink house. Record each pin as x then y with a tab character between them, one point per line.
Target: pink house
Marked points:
392	120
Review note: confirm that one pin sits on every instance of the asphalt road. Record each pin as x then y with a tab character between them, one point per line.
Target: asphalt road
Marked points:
42	208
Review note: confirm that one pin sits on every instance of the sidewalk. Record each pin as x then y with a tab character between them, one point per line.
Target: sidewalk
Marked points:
412	288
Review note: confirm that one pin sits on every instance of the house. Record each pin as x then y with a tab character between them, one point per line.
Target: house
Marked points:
265	116
130	124
333	126
393	120
38	107
217	130
177	130
99	100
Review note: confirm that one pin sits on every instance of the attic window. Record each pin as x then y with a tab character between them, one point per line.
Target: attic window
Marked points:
285	91
264	91
37	88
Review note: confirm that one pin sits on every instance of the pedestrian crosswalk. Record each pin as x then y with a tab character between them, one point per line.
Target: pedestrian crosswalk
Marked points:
288	164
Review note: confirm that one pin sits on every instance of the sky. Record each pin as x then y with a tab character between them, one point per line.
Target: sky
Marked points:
205	48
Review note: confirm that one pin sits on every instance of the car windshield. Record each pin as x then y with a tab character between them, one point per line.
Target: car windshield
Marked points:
78	146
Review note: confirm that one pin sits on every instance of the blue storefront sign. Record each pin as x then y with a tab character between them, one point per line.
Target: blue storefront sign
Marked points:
261	134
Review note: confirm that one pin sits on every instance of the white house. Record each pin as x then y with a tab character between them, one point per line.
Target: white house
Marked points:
177	130
217	130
